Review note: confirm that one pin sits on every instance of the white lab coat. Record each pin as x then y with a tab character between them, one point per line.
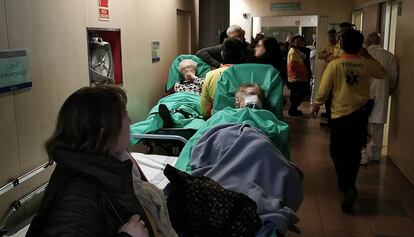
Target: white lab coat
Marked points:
380	89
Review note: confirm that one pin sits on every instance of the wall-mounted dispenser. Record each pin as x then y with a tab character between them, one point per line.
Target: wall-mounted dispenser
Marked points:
105	58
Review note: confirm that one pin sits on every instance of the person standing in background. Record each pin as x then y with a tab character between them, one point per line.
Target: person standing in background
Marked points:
336	52
267	51
212	55
312	41
348	78
298	75
329	53
284	47
380	92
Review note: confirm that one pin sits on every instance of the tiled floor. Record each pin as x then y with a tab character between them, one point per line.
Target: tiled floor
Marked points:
386	204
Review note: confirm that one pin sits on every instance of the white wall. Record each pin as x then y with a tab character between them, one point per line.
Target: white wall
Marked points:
400	147
54	32
237	8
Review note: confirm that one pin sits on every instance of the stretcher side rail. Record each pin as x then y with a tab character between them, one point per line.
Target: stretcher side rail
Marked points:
160	137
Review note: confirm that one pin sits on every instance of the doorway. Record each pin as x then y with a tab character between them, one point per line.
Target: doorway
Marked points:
308	32
183	32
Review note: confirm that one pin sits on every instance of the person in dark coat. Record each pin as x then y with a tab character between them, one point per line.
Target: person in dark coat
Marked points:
91	192
212	55
267	51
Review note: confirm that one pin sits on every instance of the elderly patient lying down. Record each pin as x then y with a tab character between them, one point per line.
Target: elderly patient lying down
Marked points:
244	150
179	110
248	102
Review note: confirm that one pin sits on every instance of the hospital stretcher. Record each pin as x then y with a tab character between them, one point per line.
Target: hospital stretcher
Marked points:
184	108
152	165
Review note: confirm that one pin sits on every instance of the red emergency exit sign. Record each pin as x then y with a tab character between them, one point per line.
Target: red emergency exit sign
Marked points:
103	3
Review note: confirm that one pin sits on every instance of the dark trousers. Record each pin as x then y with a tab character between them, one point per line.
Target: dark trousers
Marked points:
298	91
348	136
328	107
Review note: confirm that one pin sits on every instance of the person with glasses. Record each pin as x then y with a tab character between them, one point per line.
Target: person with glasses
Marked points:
267	51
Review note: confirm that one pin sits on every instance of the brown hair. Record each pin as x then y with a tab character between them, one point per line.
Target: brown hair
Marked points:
90	121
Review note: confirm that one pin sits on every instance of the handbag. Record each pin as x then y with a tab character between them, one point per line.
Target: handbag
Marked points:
199	206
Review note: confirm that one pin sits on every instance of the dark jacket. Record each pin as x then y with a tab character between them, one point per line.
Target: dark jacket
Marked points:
81	191
212	55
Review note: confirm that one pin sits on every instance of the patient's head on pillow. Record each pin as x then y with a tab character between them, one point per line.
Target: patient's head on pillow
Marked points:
249	95
188	68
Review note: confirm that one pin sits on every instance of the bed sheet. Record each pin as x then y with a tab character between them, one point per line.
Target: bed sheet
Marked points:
153	167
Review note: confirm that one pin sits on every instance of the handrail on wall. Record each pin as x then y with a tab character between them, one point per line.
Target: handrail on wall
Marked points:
12	184
21	202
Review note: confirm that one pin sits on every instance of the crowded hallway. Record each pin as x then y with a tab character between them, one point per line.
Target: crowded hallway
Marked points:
182	118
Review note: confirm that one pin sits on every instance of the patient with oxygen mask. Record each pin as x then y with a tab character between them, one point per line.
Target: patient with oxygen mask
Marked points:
250	96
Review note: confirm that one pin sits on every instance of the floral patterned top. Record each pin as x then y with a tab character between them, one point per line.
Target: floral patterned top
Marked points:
191	87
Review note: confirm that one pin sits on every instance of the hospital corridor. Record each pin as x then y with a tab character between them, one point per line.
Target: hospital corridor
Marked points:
206	118
384	209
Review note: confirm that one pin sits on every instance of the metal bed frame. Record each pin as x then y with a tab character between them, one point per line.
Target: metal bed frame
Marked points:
171	148
160	137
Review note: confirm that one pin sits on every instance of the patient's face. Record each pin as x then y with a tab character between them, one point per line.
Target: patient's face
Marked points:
188	71
240	97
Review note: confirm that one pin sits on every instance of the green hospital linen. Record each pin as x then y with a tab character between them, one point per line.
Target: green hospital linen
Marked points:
266	76
187	102
264	120
175	75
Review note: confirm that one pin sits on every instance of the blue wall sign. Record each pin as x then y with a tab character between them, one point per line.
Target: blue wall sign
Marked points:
14	70
285	6
155	49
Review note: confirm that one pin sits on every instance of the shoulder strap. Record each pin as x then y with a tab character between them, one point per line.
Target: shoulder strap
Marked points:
146	218
111	206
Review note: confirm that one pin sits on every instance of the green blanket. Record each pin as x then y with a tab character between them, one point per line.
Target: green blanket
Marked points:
263	75
176	103
264	120
175	75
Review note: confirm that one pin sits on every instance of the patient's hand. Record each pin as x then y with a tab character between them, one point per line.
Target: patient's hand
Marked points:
189	76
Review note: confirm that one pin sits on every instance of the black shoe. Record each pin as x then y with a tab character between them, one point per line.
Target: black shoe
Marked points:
348	201
297	113
164	113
